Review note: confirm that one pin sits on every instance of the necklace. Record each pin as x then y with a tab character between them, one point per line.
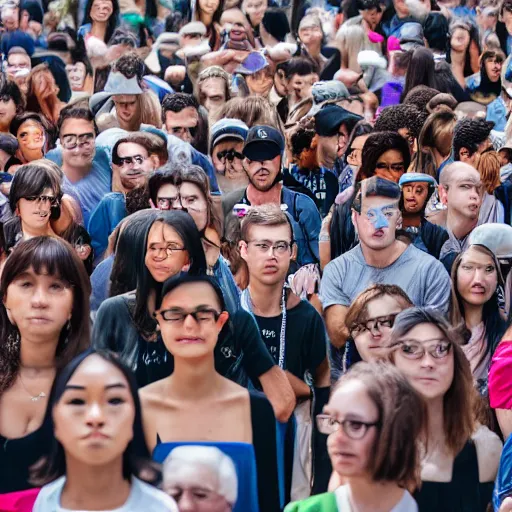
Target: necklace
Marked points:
33	398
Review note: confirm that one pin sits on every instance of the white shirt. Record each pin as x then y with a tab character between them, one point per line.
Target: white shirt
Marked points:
406	504
143	497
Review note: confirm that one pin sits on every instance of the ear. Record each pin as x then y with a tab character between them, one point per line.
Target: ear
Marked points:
8	311
464	155
294	252
155	160
242	247
223	318
354	220
443	194
399	220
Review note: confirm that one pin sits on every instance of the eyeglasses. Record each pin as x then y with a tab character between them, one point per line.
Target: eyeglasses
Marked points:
373	324
230	155
182	130
280	248
168	250
124	161
178	316
354	429
42	199
415	350
179	202
71	141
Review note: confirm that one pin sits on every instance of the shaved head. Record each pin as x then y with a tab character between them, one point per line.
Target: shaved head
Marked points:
458	171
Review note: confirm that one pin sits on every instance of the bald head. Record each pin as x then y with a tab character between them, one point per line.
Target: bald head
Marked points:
459	171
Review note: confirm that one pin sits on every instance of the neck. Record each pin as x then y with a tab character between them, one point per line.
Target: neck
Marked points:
257	197
75	174
29	232
266	299
99	29
411	219
438	157
95	487
369	496
384	257
117	185
458	225
435	428
473	315
314	50
457	57
194	379
207	19
38	354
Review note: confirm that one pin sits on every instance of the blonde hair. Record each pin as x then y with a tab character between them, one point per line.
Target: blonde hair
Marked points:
350	40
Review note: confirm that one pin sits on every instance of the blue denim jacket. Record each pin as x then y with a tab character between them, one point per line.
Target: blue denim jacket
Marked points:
497	112
503	482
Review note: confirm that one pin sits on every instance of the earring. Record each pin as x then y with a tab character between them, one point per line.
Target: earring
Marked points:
13	342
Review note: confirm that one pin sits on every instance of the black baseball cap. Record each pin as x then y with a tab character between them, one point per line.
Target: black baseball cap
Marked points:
330	117
263	143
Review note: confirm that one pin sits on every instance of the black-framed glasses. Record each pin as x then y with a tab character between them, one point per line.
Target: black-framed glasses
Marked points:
373	324
281	247
71	141
51	200
168	250
355	429
180	202
123	161
416	350
230	155
178	316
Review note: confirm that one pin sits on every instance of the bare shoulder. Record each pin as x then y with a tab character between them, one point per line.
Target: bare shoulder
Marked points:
233	392
151	394
488	450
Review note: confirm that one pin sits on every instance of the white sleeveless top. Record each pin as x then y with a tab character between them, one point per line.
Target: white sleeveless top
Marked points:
406	504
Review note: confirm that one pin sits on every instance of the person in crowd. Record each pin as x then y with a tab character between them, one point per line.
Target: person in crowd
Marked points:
134	158
460	456
201	476
376	215
213	89
462	45
300	73
18	67
95	415
100	20
87	173
190	334
371	408
492	209
45	324
11	103
421	69
471	137
484	87
34	136
476	278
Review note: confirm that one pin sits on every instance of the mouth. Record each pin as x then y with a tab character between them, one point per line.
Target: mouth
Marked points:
427	380
190	341
379	233
473	207
96	435
38	320
270	269
42	215
480	290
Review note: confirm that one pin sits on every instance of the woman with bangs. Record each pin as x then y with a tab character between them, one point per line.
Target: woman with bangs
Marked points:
476	278
460	456
44	324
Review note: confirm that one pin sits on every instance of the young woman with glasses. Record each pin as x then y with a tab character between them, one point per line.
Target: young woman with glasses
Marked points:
197	405
374	420
460	457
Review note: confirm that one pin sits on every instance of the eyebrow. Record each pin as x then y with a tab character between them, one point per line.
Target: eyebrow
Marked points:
74	387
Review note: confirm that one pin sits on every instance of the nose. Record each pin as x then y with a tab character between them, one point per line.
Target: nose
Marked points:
95	416
186	502
427	361
39	298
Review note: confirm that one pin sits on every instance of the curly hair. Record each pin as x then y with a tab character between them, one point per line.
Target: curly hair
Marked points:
130	65
420	96
469	134
396	117
177	102
302	137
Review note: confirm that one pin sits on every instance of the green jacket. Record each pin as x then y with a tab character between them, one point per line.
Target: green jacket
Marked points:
321	503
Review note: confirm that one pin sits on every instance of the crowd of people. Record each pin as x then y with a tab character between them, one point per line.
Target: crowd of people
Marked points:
256	255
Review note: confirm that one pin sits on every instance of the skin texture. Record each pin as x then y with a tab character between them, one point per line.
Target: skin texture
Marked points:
76	75
213	93
177	123
415	195
101	11
7	113
35	215
255	9
460	40
463	195
126	107
133	175
262	174
390	165
493	69
260	83
80	157
31	138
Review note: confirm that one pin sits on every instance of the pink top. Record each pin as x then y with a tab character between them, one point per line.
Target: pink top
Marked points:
21	501
500	377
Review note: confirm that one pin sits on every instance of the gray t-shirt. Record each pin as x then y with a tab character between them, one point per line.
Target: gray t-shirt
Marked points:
421	276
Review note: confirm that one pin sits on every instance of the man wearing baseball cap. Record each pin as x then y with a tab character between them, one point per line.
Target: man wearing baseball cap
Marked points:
263	153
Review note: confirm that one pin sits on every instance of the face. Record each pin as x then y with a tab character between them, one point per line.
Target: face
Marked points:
377	223
186	336
300	86
356	151
40	305
165	254
493	69
463	196
7	113
262	175
35	211
213	94
135	167
460	40
194	487
350	457
94	417
126	106
401	8
267	253
227	159
77	138
76	75
255	9
208	6
188	197
507	19
260	83
477	277
415	196
390	165
430	376
10	18
182	124
31	138
372	17
342	140
101	10
371	335
16	63
311	36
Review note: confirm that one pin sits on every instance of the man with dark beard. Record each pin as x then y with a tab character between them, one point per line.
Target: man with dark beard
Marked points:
263	152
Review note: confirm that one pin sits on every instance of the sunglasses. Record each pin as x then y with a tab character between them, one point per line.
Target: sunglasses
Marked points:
230	155
129	160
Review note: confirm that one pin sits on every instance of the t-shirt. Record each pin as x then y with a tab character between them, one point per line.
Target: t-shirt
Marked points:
142	497
423	278
305	345
406	504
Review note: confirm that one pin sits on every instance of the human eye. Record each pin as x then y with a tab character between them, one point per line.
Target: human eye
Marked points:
138	159
200	494
490	269
281	246
441	349
25	284
117	400
410	349
354	425
262	246
384	322
205	315
76	401
57	286
467	267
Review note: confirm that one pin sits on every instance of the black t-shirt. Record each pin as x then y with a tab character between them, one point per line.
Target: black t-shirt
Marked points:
305	346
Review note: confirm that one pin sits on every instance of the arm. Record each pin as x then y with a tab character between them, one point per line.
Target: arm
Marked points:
300	388
279	392
437	288
324	243
335	323
504	417
323	374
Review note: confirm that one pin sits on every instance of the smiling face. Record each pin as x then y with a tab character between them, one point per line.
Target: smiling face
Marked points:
351	457
255	9
188	337
35	211
477	277
101	10
165	256
493	69
430	377
415	196
94	417
39	305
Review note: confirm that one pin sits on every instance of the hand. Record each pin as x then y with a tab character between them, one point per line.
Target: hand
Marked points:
303	283
506	505
175	74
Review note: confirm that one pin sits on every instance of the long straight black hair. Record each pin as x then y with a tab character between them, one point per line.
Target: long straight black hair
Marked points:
136	456
112	21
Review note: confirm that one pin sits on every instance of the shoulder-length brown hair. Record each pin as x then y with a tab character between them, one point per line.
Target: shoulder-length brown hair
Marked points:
53	256
402	416
460	402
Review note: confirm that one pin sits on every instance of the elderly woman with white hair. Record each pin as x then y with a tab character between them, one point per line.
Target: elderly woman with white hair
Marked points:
200	479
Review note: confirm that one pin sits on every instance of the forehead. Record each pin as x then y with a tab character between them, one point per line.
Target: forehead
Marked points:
424	332
476	256
228	144
352	397
161	232
466	175
416	184
391	155
124	98
167	190
131	149
213	84
190	189
381	306
15	58
191	295
186	117
76	126
378	202
358	142
30	126
272	233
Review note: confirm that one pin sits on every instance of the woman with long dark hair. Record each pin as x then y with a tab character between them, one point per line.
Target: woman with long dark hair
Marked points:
101	19
420	71
98	458
44	324
463	50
